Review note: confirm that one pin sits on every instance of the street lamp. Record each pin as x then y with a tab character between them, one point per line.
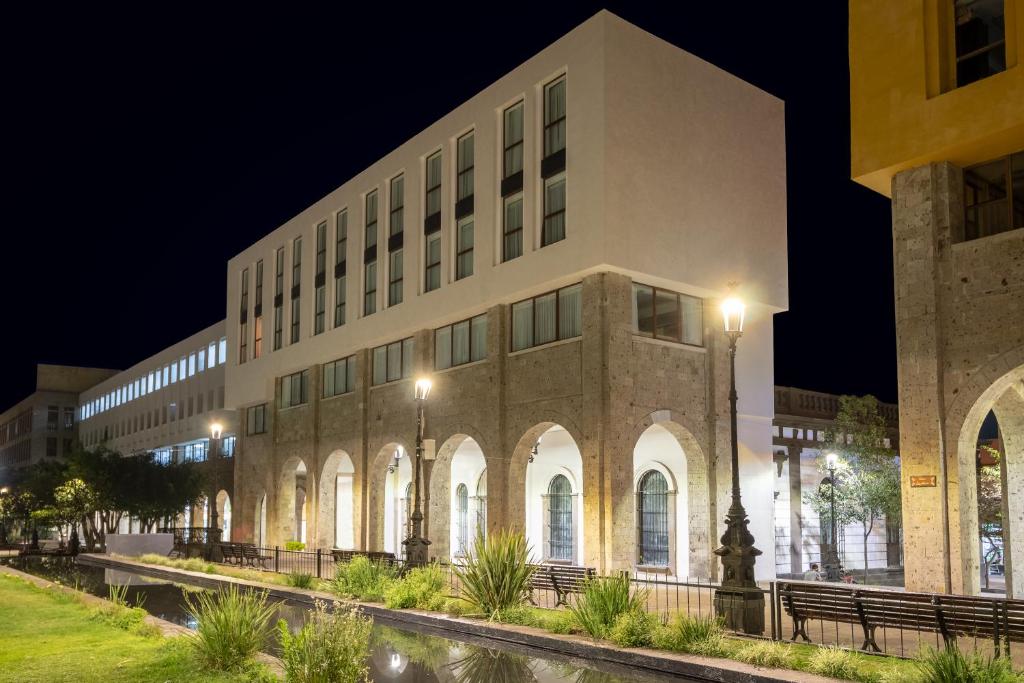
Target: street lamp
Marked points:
416	545
216	429
739	601
831	558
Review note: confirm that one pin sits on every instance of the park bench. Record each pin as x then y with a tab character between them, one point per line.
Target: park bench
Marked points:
251	556
563	579
345	556
948	615
232	553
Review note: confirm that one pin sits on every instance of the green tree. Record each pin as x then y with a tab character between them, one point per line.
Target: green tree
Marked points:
990	506
74	499
867	486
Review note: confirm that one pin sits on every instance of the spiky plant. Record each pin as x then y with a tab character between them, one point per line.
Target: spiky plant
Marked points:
496	575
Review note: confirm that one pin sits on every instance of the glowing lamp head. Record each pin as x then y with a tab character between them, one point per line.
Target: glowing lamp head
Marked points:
423	388
4	490
216	429
831	459
733	311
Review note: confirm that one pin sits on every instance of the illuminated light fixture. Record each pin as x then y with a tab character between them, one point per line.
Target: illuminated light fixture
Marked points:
423	386
216	429
733	312
830	460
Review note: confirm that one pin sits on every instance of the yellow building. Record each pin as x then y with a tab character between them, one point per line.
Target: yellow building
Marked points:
937	124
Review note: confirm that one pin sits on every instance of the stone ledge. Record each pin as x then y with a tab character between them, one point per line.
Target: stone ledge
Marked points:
577	647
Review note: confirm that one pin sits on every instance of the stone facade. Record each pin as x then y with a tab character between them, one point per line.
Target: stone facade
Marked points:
960	342
605	388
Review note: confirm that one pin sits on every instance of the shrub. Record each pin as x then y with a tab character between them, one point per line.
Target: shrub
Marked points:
497	572
363	579
562	623
417	588
695	635
299	580
521	615
950	664
602	600
633	629
834	662
331	647
294	545
899	674
232	626
766	653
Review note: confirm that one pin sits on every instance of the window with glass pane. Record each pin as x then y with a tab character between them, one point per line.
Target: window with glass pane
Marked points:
340	256
554	210
396	280
243	327
513	140
294	389
380	365
668	315
278	298
296	280
443	347
522	325
257	345
370	288
554	117
464	249
560	519
433	184
691	311
478	338
980	38
545	318
465	167
643	309
396	222
653	518
433	274
339	377
512	244
462	518
994	197
460	343
295	320
666	320
407	348
570	312
320	295
394	361
370	232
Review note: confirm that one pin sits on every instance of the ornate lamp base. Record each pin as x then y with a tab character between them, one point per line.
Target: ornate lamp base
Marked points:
416	550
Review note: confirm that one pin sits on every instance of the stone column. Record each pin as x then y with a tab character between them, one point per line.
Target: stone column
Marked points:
1009	410
796	508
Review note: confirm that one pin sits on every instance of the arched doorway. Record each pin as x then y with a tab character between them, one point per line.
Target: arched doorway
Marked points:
397	499
458	497
337	511
224	514
672	524
293	491
553	519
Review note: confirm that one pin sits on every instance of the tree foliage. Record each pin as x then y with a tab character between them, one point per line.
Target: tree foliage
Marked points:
867	475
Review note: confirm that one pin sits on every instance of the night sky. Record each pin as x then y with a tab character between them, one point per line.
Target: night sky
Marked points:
142	152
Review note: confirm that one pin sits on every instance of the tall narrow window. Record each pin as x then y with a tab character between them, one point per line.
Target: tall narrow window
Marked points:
652	517
980	39
512	224
340	255
370	255
560	541
512	183
257	342
296	285
243	318
513	141
320	281
432	224
552	167
461	519
396	232
464	208
278	297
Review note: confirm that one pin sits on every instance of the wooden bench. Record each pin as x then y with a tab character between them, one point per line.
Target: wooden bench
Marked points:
251	556
232	553
345	556
563	579
948	615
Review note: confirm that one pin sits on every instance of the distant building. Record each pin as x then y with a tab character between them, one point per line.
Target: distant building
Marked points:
44	425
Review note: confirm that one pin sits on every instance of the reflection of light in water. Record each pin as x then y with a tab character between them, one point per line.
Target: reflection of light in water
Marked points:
396	660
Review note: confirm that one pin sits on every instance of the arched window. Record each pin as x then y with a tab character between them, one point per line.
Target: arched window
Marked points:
461	518
652	518
481	505
560	519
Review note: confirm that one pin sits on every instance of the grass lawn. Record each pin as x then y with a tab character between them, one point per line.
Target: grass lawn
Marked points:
48	636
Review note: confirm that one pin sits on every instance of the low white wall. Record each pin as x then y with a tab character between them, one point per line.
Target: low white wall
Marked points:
138	544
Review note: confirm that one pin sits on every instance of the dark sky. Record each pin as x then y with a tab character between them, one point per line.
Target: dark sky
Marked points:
142	152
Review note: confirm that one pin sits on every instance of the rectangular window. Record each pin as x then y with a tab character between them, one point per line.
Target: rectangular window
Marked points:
464	177
296	285
202	362
257	342
320	291
464	248
554	117
243	327
211	356
433	185
339	377
181	374
547	318
464	208
994	197
370	255
393	361
52	418
69	418
512	244
340	256
295	389
222	352
512	137
396	228
663	314
191	364
278	298
460	343
256	419
554	210
980	37
433	262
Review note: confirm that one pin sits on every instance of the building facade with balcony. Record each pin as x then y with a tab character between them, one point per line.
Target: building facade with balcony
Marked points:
937	118
551	254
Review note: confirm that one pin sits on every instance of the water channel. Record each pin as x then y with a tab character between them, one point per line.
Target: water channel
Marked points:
398	652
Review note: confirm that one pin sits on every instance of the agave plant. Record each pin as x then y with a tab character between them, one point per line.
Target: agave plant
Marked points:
602	600
496	575
231	626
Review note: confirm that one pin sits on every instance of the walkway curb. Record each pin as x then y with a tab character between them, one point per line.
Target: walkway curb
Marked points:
654	661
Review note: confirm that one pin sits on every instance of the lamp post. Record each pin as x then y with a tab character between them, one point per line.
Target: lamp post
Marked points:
831	558
416	545
739	601
216	429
